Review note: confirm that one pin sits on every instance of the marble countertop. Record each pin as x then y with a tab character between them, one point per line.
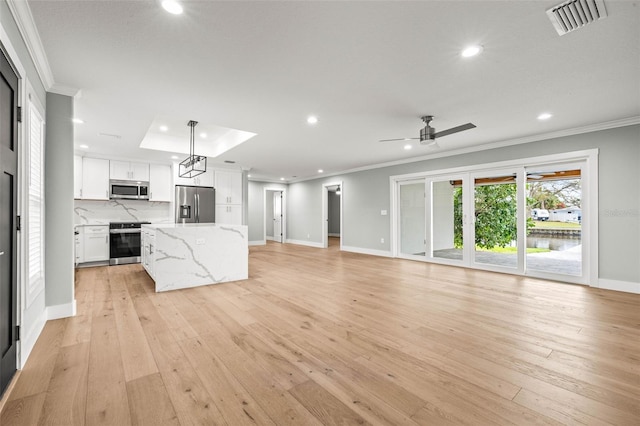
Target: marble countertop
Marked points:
190	225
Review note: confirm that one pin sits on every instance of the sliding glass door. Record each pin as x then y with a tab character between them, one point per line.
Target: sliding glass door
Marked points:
495	229
412	219
554	210
525	220
446	200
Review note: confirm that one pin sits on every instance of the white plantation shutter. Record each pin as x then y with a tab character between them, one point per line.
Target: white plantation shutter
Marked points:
36	203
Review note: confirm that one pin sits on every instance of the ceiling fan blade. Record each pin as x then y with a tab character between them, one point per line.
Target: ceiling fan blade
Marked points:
454	130
400	139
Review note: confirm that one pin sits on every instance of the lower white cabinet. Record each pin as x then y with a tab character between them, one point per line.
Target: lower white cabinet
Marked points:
229	214
78	252
148	243
95	243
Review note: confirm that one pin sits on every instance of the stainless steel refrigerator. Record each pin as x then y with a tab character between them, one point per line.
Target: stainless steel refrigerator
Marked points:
195	204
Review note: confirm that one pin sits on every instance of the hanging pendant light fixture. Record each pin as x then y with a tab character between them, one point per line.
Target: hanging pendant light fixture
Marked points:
193	165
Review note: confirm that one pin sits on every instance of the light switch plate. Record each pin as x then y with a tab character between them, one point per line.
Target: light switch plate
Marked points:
383	212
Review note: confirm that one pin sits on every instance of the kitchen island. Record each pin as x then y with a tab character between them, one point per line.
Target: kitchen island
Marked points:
194	254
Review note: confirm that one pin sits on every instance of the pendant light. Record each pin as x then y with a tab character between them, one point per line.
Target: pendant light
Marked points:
193	165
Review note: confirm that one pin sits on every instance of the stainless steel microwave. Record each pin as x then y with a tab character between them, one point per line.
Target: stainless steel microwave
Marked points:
128	189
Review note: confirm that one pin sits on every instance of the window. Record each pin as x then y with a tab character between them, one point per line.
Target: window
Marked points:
35	225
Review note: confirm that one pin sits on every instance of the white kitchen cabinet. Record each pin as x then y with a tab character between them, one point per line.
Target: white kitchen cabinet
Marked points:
78	252
229	214
124	170
95	243
228	187
95	179
148	243
159	182
205	179
77	176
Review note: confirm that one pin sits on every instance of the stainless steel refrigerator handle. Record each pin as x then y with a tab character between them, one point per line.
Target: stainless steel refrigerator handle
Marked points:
197	206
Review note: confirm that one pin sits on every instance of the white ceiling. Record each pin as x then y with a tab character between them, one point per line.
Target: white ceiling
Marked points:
368	70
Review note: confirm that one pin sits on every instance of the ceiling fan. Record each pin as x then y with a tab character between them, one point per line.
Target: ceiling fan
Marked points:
428	134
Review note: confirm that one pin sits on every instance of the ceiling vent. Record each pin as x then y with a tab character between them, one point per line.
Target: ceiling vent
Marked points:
571	15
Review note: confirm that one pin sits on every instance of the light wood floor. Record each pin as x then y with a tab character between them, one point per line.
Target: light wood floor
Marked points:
324	337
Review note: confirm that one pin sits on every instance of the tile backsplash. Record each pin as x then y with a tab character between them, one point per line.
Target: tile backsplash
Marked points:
88	212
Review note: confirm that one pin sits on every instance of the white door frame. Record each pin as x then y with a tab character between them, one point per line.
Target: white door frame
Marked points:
589	159
264	212
325	212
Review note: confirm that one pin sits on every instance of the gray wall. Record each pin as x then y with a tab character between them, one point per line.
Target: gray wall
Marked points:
255	205
59	238
366	193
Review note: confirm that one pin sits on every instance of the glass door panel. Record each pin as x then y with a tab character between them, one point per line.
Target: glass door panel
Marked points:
412	218
447	219
495	220
554	220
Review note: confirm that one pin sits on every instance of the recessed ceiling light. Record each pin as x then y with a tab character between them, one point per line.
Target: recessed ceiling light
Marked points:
320	171
407	147
281	178
172	6
77	120
83	146
312	119
163	128
203	135
545	116
248	175
471	51
174	157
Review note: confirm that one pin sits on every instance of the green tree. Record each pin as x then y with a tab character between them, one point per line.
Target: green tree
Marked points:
495	215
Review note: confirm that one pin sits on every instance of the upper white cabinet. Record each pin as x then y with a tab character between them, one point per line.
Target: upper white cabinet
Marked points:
228	187
77	176
95	179
159	182
205	179
124	170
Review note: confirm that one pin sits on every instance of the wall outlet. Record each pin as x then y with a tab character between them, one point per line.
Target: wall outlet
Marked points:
383	212
308	236
381	240
199	241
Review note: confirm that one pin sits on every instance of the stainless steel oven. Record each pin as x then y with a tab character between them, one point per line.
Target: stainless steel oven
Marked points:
124	242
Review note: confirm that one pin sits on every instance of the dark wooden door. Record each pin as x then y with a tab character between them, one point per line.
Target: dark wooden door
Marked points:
8	232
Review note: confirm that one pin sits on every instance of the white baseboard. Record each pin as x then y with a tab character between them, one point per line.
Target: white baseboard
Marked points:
626	286
371	252
29	337
305	243
61	311
334	235
257	243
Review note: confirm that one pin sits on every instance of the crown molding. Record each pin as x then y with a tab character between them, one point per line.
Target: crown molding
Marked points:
629	121
27	27
66	91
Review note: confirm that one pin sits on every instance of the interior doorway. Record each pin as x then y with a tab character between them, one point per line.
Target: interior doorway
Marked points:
332	196
274	215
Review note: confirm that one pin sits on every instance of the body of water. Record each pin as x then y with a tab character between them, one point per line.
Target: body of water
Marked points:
553	243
